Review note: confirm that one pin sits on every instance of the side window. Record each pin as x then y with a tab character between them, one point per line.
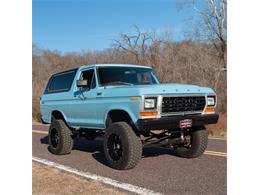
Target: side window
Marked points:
60	82
90	77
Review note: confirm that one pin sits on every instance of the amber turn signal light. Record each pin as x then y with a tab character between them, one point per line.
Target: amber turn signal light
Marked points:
148	113
135	98
209	110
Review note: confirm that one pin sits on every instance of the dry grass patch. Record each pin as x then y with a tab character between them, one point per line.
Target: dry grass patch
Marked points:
47	180
219	129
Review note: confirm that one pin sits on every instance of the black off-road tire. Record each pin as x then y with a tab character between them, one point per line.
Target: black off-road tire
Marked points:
108	122
131	146
65	142
199	142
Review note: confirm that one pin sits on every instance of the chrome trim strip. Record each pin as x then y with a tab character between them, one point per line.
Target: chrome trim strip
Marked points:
206	103
181	113
159	105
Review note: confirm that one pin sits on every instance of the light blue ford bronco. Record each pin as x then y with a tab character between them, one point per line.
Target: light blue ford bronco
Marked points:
129	108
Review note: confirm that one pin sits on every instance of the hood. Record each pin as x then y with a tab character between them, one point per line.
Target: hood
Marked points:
157	89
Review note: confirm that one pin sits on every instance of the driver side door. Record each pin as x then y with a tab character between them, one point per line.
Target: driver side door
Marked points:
84	101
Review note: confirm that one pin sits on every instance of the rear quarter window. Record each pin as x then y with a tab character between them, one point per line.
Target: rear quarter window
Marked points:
60	82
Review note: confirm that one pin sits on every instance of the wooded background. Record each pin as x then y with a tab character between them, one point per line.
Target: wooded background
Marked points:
199	59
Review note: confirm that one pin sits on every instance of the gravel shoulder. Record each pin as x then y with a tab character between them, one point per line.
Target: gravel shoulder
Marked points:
47	180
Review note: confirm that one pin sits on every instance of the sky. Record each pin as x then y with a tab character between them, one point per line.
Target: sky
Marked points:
80	25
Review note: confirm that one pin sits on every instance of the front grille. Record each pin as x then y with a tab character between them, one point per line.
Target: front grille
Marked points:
183	104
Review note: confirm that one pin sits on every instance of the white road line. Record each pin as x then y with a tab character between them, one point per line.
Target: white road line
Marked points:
215	152
41	132
218	138
105	180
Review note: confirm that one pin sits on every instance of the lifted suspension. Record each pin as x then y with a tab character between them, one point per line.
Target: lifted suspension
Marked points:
166	138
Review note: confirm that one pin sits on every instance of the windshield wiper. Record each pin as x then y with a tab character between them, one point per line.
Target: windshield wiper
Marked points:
118	83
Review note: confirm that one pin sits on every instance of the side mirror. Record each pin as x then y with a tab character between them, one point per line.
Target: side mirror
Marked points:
82	83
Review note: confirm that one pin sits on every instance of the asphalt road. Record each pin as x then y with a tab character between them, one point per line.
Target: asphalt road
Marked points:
159	170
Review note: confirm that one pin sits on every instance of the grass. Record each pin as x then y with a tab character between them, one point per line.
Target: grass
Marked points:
219	129
47	180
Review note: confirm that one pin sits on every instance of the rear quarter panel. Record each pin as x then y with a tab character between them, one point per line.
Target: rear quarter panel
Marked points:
55	101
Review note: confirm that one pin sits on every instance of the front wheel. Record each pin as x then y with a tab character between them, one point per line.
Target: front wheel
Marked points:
122	148
197	142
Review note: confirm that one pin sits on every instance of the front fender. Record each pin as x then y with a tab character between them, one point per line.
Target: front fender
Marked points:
132	110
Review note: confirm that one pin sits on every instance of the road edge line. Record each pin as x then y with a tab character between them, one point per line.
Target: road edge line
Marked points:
101	179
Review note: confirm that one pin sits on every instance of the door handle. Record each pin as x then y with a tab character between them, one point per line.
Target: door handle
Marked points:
99	93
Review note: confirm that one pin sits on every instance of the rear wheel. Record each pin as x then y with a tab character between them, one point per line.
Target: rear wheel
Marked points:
60	140
122	148
196	144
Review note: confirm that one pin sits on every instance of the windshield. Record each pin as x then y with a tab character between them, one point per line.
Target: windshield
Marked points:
126	76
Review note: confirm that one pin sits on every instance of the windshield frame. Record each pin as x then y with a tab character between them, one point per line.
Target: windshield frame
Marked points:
151	69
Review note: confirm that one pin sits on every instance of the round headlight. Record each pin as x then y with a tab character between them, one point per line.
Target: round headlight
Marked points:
149	103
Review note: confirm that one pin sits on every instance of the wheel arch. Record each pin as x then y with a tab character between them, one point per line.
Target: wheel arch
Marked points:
57	114
119	115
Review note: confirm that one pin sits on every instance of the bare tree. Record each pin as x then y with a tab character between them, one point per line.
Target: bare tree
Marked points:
215	25
211	27
135	44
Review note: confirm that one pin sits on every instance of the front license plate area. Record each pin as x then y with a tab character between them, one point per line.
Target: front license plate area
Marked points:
186	123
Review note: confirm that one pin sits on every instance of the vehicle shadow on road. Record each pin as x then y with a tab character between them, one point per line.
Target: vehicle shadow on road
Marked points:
95	147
